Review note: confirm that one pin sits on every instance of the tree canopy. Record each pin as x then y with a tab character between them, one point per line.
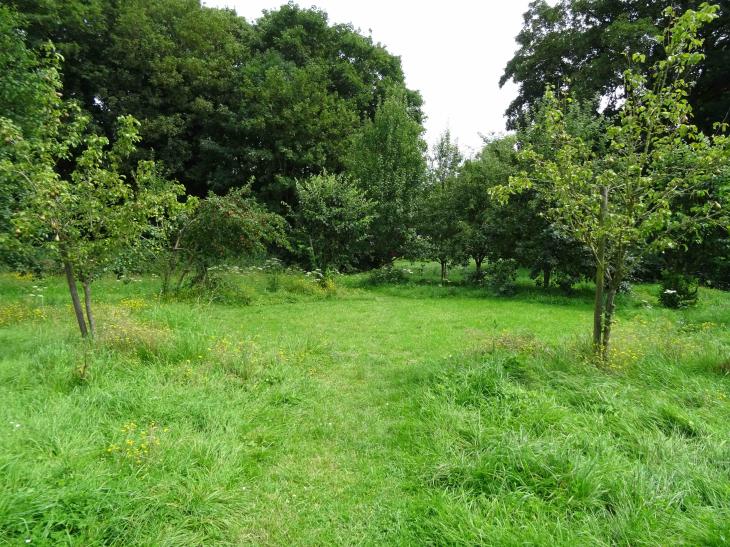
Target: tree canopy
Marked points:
585	45
221	100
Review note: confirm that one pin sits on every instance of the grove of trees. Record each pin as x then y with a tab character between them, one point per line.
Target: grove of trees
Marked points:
187	137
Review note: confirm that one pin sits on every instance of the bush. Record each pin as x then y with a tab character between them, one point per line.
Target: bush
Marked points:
500	275
678	290
387	275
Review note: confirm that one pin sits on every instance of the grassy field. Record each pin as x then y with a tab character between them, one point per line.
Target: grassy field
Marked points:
407	414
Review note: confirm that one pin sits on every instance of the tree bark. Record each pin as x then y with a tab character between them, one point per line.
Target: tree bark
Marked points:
71	280
87	305
618	277
443	271
608	320
598	305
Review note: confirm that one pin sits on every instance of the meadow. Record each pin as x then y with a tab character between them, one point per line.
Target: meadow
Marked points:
393	414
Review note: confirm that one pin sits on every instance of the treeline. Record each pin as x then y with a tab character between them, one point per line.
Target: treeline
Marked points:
221	101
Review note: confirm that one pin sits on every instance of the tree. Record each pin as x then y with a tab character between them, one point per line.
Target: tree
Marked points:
387	159
61	184
486	227
219	228
332	220
619	203
221	100
28	86
445	160
437	223
91	215
584	44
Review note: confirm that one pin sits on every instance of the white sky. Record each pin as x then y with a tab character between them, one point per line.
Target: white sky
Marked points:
452	52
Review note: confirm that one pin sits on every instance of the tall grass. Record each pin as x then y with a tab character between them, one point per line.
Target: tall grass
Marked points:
409	414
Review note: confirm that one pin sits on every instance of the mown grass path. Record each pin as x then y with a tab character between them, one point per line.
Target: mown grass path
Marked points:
351	437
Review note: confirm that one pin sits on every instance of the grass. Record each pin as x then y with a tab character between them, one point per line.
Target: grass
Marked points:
398	414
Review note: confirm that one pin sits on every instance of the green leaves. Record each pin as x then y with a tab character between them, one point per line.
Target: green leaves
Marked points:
332	221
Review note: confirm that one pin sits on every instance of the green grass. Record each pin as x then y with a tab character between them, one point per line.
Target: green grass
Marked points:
405	414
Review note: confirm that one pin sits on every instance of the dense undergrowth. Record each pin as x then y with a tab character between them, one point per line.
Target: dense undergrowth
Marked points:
352	413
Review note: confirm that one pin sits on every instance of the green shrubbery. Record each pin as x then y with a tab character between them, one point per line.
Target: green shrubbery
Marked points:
678	290
501	276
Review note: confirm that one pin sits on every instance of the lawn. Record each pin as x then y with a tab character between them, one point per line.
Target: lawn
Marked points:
403	414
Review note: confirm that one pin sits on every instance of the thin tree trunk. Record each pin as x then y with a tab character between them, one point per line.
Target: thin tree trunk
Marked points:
546	273
71	280
87	305
608	319
598	305
182	278
611	301
443	271
478	272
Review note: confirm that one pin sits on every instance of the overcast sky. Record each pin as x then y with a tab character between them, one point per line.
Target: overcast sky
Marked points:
452	52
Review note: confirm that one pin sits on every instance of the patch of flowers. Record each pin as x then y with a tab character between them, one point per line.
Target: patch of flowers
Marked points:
138	442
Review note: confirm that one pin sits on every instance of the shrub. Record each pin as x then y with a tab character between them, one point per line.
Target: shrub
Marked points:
387	275
678	290
500	276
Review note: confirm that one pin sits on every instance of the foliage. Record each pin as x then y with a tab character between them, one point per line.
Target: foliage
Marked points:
70	197
332	221
221	99
620	203
584	44
218	229
500	276
678	290
437	218
387	160
386	275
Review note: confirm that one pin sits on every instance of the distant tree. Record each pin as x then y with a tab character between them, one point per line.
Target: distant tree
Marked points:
487	228
619	203
444	161
332	220
221	100
584	44
387	159
437	222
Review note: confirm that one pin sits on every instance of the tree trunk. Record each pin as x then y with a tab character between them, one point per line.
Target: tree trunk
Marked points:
478	272
182	278
546	273
443	271
71	280
618	277
600	276
87	305
608	319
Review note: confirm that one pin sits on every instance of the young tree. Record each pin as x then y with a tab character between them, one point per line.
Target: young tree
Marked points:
445	160
219	228
486	226
437	222
619	204
92	214
387	160
62	186
332	220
